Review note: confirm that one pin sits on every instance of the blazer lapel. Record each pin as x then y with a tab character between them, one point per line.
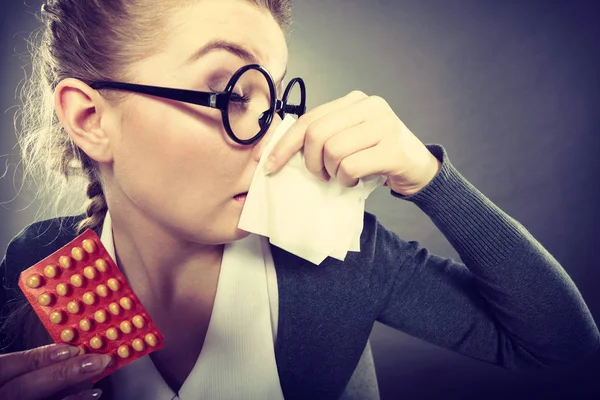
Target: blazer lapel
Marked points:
323	325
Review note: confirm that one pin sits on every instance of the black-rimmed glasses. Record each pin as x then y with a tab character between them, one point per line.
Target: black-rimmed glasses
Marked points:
248	103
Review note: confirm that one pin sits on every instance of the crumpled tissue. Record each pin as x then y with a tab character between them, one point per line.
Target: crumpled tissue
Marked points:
300	213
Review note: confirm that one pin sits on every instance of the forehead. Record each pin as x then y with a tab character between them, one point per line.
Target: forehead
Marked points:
238	21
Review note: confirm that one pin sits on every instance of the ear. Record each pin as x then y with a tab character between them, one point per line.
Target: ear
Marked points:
80	109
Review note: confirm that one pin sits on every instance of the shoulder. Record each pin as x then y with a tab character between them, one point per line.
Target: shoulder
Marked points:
36	242
42	238
31	245
380	255
377	241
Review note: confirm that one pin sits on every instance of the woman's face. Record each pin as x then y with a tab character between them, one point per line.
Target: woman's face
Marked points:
173	161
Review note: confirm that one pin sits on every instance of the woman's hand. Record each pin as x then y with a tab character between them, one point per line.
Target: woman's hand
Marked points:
356	136
46	371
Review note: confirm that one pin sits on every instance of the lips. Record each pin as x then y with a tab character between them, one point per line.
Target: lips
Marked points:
241	194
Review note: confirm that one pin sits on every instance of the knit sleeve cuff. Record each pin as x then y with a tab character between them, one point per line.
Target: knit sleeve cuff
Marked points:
476	227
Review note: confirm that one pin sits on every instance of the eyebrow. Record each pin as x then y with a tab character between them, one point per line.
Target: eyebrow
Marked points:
231	47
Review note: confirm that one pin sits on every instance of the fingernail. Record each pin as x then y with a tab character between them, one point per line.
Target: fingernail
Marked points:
90	394
95	363
269	164
63	352
324	178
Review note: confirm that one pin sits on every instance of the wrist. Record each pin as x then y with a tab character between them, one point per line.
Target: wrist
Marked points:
430	173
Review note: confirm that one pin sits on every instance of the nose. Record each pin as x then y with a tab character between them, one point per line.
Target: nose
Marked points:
259	146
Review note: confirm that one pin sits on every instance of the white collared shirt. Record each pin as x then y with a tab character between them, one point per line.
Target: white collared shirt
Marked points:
238	356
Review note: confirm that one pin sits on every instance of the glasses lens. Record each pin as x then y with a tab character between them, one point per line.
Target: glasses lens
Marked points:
293	99
249	104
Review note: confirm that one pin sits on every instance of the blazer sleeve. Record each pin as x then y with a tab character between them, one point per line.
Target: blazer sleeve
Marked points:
8	294
510	303
3	300
31	245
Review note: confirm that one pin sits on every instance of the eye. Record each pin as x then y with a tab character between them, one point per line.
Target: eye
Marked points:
238	98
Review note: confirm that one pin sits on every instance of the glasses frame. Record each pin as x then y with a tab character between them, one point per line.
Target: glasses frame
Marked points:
220	100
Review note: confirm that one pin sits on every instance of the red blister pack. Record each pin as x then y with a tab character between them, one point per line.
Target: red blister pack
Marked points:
83	299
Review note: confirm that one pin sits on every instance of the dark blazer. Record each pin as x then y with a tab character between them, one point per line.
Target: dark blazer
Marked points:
492	308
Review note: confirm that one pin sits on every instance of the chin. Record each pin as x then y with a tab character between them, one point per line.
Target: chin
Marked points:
240	234
221	233
228	237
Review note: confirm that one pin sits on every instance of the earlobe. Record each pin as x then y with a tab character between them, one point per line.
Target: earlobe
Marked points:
80	110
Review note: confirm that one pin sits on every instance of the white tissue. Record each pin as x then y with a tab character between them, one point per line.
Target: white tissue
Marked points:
301	214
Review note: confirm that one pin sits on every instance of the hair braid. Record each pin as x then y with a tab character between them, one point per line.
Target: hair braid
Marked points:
96	205
96	208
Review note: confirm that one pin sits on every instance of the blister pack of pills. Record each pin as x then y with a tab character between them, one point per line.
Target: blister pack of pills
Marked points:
84	300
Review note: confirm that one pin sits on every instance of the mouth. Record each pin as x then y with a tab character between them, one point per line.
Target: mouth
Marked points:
240	198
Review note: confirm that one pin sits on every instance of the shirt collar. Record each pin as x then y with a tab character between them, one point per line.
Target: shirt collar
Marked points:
107	237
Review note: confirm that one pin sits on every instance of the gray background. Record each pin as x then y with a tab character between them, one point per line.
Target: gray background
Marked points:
510	88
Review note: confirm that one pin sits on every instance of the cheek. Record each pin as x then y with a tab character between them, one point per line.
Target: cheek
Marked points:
162	153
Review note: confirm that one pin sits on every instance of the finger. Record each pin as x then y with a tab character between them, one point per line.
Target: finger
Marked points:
86	395
293	140
18	363
326	130
350	141
359	165
45	382
73	390
323	129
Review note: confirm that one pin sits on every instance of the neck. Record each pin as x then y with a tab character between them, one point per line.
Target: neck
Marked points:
157	263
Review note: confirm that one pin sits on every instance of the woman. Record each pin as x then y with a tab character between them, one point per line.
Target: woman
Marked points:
164	176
